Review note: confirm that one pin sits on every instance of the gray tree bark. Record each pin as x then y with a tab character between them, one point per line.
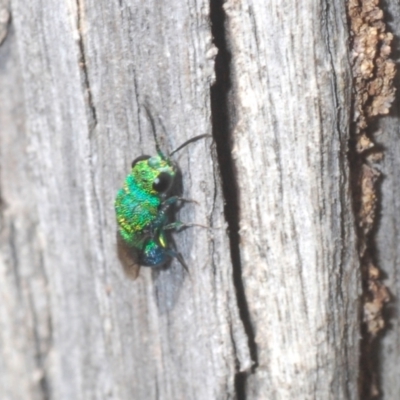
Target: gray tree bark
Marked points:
291	97
271	306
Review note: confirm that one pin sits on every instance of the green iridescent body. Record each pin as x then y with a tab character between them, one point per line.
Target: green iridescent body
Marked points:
141	208
136	207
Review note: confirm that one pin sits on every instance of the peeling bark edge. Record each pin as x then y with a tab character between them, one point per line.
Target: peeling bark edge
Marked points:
373	93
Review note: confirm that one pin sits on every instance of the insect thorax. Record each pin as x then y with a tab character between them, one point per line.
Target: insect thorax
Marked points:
135	209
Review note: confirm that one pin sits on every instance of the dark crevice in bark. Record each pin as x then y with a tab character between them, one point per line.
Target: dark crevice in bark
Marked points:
364	156
369	345
5	25
92	116
5	21
41	353
14	256
221	125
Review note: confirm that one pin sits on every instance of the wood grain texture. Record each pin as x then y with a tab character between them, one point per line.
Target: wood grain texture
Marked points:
73	78
291	106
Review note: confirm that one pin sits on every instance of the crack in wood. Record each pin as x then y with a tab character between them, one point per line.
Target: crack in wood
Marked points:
91	109
40	353
221	123
5	19
330	45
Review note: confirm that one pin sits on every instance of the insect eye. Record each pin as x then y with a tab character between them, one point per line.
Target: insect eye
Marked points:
162	183
140	158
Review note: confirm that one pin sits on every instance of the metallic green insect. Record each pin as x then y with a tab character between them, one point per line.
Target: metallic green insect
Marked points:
142	208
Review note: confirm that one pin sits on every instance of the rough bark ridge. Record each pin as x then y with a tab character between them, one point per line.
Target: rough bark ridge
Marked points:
373	75
290	116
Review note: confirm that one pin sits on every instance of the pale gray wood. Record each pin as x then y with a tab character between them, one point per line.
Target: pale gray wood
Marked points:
73	78
291	106
25	337
388	228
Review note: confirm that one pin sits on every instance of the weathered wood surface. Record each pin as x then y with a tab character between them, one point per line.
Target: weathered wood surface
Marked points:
73	78
291	102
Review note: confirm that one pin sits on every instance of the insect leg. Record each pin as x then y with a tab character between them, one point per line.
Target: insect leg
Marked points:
161	217
178	225
179	257
174	199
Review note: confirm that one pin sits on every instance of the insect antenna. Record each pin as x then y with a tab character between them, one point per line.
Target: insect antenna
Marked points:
193	139
153	128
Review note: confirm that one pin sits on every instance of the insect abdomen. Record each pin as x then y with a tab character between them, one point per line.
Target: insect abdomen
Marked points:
153	254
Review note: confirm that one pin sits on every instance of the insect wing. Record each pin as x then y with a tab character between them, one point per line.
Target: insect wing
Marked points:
129	257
